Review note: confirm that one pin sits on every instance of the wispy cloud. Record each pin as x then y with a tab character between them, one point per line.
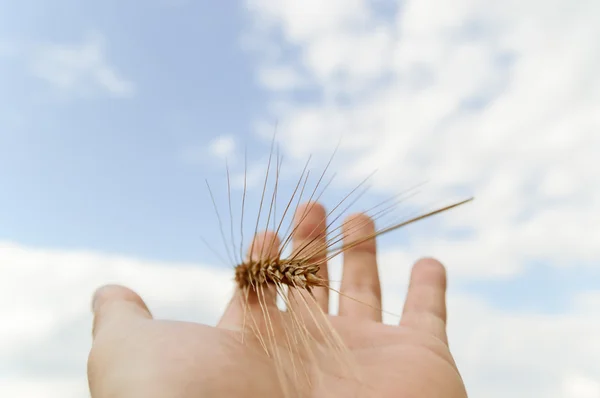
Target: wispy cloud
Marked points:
278	78
81	69
223	147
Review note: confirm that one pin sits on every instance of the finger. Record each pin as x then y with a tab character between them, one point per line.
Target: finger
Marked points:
425	305
310	245
115	305
360	288
264	246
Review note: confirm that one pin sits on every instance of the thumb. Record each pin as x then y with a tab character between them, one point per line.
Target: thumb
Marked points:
114	305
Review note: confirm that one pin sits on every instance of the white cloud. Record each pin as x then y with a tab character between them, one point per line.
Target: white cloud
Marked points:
484	97
45	300
43	388
309	18
280	78
223	147
528	355
580	387
79	69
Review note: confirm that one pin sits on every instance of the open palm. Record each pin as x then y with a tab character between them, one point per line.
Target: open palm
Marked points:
134	355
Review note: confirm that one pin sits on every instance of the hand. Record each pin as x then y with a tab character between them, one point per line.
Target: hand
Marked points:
135	356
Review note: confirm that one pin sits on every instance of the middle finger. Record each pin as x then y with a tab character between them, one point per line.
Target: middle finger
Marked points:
309	243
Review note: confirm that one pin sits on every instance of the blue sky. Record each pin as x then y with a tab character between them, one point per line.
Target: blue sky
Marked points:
105	172
105	165
109	172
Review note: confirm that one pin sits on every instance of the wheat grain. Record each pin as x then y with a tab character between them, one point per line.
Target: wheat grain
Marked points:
295	273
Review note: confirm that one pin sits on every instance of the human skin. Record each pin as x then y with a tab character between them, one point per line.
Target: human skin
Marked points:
135	356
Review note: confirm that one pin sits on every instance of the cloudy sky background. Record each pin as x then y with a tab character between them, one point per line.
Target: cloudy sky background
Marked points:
113	113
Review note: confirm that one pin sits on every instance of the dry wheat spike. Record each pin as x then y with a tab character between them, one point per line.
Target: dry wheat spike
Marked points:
300	340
